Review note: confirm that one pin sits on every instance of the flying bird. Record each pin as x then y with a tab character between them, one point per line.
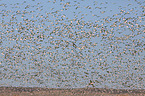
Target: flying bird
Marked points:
74	45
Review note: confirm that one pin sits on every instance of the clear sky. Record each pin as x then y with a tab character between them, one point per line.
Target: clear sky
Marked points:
70	42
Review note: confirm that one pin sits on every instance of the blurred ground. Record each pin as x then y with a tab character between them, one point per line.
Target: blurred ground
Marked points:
19	91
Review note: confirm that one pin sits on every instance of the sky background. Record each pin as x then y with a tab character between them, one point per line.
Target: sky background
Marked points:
37	43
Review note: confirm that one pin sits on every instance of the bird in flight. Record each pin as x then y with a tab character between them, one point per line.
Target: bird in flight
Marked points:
74	45
91	83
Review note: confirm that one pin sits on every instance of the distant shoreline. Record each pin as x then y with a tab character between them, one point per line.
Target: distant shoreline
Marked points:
7	91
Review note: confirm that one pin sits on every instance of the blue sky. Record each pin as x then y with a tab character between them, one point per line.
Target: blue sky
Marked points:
36	35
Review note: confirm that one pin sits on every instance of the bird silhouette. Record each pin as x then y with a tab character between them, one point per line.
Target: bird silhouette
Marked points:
91	83
74	45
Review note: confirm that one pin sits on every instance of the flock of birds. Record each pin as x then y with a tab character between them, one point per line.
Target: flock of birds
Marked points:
63	47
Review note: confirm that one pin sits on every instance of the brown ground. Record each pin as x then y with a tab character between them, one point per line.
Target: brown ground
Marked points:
21	91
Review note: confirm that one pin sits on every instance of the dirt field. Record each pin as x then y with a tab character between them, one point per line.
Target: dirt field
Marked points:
21	91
